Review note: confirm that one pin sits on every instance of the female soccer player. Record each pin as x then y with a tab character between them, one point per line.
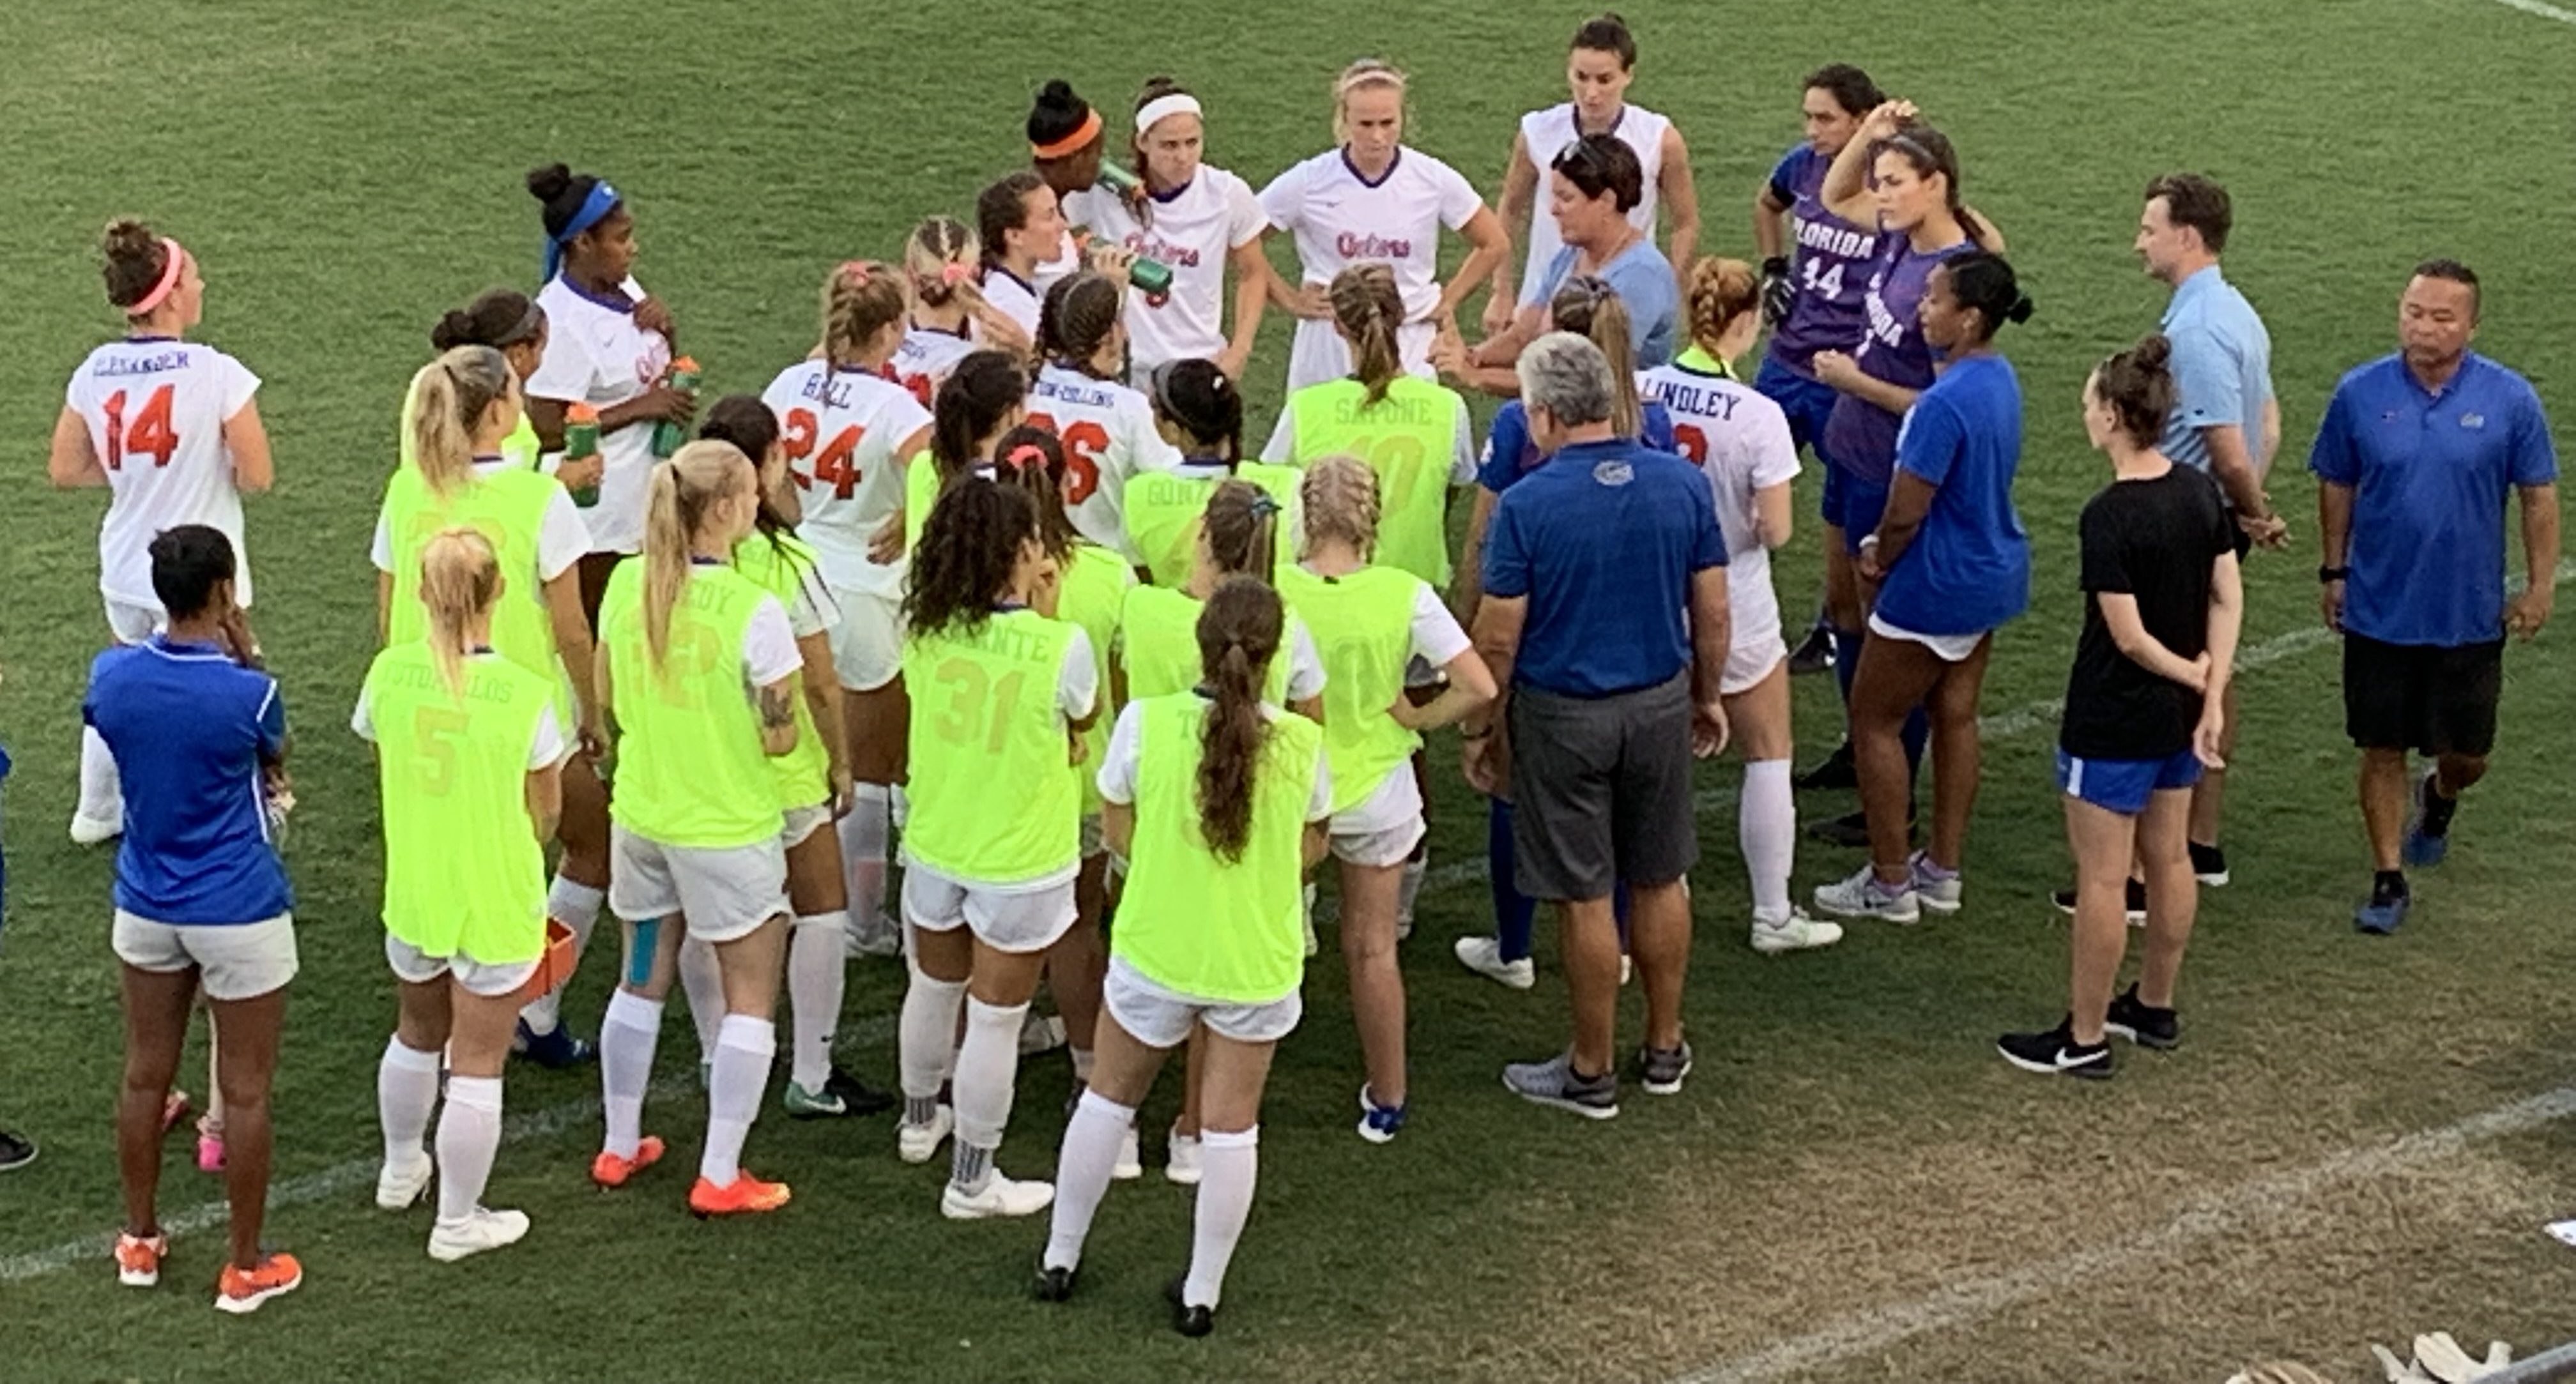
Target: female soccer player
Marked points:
1238	537
1199	410
1740	440
201	897
1414	434
698	671
847	429
1006	691
2145	713
1195	218
170	427
1021	226
1599	66
1218	801
1375	622
510	322
607	345
1375	200
1079	395
985	398
1951	564
468	749
1591	188
949	314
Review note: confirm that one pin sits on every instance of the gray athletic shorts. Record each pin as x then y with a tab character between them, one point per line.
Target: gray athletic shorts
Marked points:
1601	788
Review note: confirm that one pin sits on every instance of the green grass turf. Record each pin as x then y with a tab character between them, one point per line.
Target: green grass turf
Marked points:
1849	1143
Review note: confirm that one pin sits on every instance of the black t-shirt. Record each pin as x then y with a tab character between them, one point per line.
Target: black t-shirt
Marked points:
2154	540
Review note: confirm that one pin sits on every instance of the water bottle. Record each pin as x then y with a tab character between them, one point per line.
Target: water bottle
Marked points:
667	435
581	442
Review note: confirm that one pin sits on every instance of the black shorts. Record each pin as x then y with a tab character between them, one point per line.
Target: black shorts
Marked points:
2422	697
1602	791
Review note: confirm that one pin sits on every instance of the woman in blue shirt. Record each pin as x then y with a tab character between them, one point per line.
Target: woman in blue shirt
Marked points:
1951	564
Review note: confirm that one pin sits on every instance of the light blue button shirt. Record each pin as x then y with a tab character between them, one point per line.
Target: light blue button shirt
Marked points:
2222	367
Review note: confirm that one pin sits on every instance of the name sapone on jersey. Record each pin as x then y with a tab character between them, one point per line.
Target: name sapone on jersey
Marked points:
155	409
1108	435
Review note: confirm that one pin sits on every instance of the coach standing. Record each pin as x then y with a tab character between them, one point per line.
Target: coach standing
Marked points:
1604	616
2414	460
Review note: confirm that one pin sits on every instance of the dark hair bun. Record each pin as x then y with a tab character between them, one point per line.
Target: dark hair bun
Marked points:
2020	311
127	238
550	183
1057	113
454	329
2152	352
1157	87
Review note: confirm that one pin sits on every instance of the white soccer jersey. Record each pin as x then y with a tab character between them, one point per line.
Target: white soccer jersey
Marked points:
1340	219
925	357
1193	231
1740	441
1013	297
596	355
1545	134
840	430
1108	434
156	409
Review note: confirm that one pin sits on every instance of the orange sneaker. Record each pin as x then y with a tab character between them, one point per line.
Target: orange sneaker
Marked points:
238	1292
611	1171
138	1258
744	1195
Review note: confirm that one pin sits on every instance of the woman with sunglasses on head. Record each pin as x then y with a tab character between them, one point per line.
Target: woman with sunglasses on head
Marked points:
1592	185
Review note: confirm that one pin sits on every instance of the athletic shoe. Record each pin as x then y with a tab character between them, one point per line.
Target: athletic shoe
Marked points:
999	1196
210	1149
801	1104
16	1151
1192	1322
277	1275
1836	772
553	1051
915	1143
1661	1070
1181	1167
2142	1024
1939	892
1041	1033
1484	956
1627	969
2209	865
874	936
1814	655
856	1096
2386	911
1553	1082
1131	1158
2428	829
174	1108
1797	932
93	831
1864	896
398	1186
744	1196
1379	1124
138	1259
479	1231
611	1171
2134	902
1055	1285
2055	1052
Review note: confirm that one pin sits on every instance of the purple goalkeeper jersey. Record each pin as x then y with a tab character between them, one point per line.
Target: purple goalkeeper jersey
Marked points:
1829	269
1860	436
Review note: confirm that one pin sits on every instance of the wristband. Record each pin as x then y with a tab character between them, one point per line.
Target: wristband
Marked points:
2333	574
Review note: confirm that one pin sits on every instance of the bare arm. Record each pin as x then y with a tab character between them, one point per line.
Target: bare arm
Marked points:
1118	827
1315	844
1907	502
588	668
2530	610
1497	632
1252	277
1484	231
2271	430
2231	464
2334	534
1520	196
2129	632
777	704
73	462
545	800
254	470
1895	398
1772	514
2226	621
823	699
1312	708
1471	562
1470	688
1711	633
1680	200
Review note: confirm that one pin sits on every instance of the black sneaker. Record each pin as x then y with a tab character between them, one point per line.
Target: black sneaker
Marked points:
2056	1053
1054	1285
2136	906
1814	656
16	1151
857	1096
2144	1025
2209	865
1188	1320
1836	772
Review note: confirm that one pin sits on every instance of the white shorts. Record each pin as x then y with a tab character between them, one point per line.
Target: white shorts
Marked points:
412	966
803	822
1319	354
724	892
1029	920
1383	828
1950	648
132	624
234	961
1748	663
1161	1018
867	645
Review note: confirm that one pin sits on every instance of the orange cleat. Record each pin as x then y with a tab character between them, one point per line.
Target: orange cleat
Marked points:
239	1292
611	1171
138	1258
745	1195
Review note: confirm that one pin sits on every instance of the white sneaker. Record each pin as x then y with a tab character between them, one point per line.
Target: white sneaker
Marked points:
449	1242
1862	896
1797	932
916	1143
875	935
1041	1033
91	831
999	1196
1484	956
1131	1159
1939	895
398	1187
1183	1170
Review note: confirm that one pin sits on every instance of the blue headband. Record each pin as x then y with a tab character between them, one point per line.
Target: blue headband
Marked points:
595	208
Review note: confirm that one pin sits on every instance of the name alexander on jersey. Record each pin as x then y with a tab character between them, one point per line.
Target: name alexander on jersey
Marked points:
112	367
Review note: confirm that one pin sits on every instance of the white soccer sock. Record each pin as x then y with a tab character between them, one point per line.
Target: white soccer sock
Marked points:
1230	1163
406	1091
469	1135
864	834
576	906
987	1064
102	795
1082	1168
627	1037
702	980
744	1046
814	978
1767	829
926	1034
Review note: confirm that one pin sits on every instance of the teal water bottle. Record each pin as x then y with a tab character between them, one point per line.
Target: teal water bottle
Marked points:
667	435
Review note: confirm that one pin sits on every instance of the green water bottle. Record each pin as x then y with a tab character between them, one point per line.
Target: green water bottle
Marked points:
581	442
1119	180
1148	275
667	435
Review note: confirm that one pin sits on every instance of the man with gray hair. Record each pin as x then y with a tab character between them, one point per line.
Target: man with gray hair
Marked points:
1604	618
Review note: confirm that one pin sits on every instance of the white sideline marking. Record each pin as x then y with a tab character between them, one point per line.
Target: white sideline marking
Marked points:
2244	1207
2545	11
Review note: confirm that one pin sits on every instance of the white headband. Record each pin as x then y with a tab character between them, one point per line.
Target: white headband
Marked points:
1163	108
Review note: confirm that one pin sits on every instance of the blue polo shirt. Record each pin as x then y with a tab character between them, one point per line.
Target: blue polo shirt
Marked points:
1603	541
2430	473
1509	454
2222	368
1643	279
1968	569
189	728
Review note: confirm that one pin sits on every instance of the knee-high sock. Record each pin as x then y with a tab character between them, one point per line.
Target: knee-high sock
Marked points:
1091	1139
576	906
102	795
406	1090
469	1135
702	979
926	1036
744	1046
1767	828
987	1063
627	1037
1231	1162
864	835
1514	911
814	995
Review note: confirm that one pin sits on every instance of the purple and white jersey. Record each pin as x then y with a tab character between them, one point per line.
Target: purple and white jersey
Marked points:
1861	436
1829	268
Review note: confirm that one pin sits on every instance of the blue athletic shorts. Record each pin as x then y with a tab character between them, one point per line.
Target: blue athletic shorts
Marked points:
1853	505
2125	785
1807	402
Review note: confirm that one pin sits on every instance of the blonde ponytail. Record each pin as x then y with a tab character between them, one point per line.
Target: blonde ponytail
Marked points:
460	577
676	502
450	395
1588	306
1369	307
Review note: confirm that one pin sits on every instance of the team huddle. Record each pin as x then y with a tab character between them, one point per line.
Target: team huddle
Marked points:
980	639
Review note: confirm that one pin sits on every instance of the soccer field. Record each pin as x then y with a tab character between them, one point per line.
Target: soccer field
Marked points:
2361	1140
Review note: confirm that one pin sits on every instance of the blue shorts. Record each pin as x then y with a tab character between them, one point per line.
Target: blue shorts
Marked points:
2125	785
1853	505
1807	402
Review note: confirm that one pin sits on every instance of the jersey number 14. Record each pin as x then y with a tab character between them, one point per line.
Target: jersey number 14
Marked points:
149	433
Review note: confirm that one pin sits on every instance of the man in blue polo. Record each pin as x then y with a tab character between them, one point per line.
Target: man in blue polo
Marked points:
2414	461
1604	618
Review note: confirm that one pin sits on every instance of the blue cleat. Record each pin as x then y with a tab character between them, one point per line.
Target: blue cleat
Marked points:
556	1050
2428	831
2386	910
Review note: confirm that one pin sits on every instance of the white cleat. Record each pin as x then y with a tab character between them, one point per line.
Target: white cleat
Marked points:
999	1196
1862	896
399	1187
93	831
1182	1169
1484	956
916	1143
480	1231
1797	932
1131	1159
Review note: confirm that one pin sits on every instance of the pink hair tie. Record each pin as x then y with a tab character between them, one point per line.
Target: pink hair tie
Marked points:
857	271
1026	456
174	262
956	272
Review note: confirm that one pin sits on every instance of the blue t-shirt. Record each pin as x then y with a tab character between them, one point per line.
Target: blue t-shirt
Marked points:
1860	437
1968	569
1643	279
2222	368
189	729
1509	454
2429	475
1829	269
1603	540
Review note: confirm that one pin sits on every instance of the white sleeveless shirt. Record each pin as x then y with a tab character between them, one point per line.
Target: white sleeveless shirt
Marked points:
1545	134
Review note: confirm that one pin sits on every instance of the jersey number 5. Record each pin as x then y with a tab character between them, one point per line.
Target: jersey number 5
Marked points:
150	432
1084	444
836	465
